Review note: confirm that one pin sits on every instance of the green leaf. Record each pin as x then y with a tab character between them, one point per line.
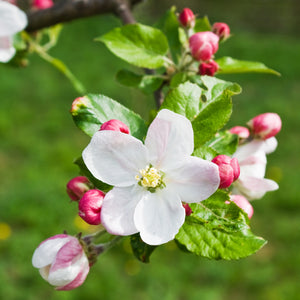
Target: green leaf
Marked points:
147	83
229	65
84	171
211	119
92	110
224	143
202	24
184	100
205	152
169	25
140	45
177	79
141	250
217	230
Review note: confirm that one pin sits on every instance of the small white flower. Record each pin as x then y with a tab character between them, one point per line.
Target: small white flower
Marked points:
252	160
150	180
12	20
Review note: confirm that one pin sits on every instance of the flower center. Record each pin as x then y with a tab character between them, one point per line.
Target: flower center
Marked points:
150	178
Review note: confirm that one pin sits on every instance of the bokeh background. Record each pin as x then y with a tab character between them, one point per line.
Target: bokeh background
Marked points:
39	141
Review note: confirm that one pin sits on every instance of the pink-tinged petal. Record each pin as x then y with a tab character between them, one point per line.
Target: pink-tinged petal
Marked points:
170	137
248	149
243	203
253	188
115	158
62	277
118	209
194	179
254	165
12	19
78	280
159	216
47	250
7	51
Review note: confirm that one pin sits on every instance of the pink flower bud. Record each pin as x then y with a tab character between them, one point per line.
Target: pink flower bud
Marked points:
188	210
243	203
203	45
187	18
229	170
265	125
42	4
62	262
115	125
208	68
80	102
222	30
242	132
90	206
77	186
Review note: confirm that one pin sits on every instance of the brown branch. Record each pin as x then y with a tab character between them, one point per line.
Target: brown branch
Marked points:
68	10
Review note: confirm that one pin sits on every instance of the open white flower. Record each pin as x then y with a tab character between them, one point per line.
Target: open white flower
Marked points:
150	180
252	160
12	20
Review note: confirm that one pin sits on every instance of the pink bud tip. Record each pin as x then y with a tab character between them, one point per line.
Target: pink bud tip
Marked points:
222	30
115	125
90	206
208	68
42	4
77	186
188	210
187	18
243	203
229	170
80	102
203	45
265	126
242	132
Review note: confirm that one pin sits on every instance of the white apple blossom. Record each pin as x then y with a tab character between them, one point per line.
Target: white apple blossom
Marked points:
252	160
150	180
12	20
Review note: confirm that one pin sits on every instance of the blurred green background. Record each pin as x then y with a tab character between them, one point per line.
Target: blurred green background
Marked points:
39	143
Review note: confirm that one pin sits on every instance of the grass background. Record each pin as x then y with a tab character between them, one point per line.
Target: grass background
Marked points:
39	143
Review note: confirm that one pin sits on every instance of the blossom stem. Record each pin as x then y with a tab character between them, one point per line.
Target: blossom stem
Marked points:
88	238
100	248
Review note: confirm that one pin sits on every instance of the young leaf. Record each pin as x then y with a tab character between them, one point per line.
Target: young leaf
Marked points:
141	250
140	45
184	100
205	152
218	230
146	83
202	24
93	110
229	65
213	116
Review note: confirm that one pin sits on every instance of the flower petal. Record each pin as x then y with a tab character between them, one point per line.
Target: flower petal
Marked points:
118	209
47	250
194	180
254	165
170	136
270	145
7	51
159	216
115	157
12	19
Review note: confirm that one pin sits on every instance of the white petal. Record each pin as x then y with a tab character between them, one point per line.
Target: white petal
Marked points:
270	145
248	149
254	166
195	180
7	51
61	277
118	210
12	19
159	216
253	188
115	157
47	250
170	137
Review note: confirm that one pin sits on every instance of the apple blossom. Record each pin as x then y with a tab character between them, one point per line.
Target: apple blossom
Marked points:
252	160
12	21
242	132
90	206
187	18
62	261
77	186
208	68
150	180
115	125
203	45
265	125
242	203
222	30
42	4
